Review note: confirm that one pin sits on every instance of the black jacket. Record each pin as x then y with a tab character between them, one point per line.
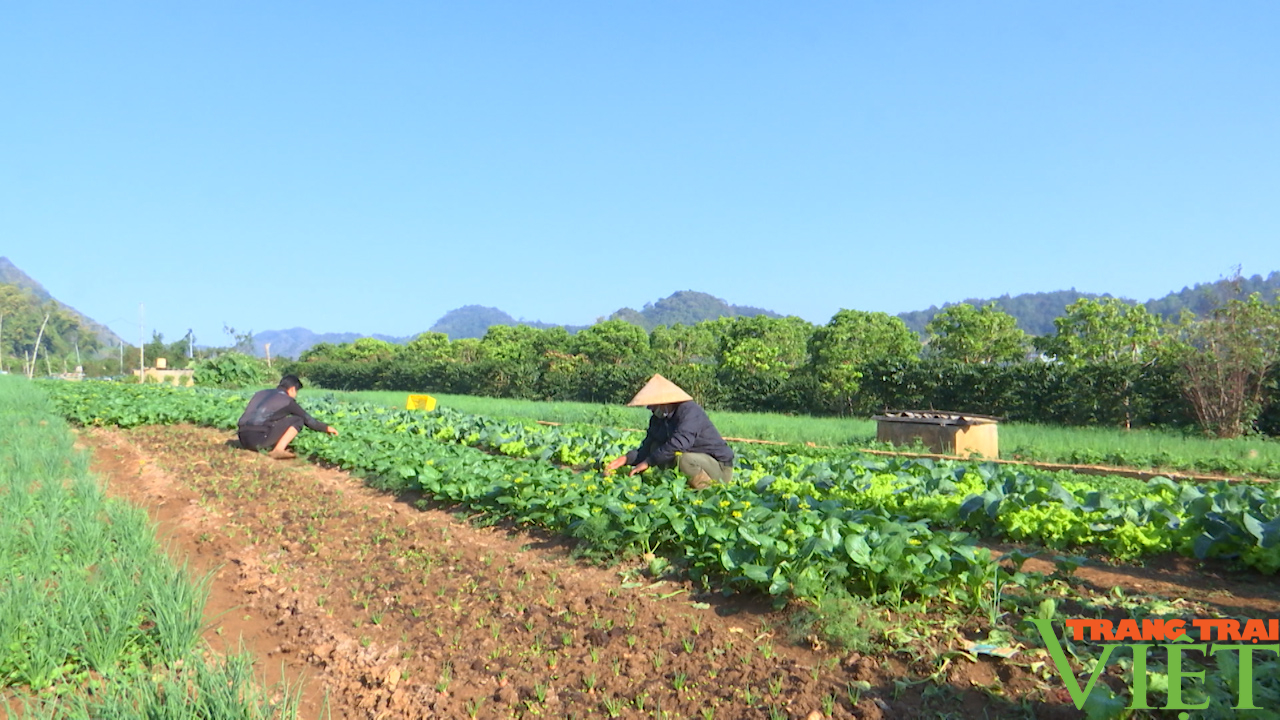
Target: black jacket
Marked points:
268	406
687	430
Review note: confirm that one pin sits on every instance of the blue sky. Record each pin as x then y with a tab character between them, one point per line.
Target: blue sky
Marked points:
367	167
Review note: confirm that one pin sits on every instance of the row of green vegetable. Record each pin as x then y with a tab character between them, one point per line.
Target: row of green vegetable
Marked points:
1130	519
731	535
1124	518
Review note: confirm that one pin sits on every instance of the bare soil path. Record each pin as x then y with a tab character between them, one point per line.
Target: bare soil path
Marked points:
382	609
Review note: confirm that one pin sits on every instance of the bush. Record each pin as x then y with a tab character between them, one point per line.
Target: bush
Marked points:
232	371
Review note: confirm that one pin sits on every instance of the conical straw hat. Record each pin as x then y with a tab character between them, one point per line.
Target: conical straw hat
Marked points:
659	391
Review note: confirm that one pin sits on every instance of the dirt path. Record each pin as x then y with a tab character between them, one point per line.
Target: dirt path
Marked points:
387	611
384	610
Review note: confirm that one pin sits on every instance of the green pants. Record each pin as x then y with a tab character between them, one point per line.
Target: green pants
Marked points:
691	463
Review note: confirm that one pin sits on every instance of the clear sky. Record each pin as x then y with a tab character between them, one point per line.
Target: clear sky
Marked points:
368	166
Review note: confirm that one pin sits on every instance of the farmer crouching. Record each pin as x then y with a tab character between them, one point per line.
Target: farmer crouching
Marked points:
680	435
274	418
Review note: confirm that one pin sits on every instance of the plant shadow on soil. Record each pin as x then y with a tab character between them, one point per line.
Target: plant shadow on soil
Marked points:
1232	591
395	606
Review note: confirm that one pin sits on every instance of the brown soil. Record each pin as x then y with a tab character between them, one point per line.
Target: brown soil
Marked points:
382	609
1235	594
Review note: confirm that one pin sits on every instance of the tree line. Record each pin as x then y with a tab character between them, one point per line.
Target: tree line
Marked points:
1108	362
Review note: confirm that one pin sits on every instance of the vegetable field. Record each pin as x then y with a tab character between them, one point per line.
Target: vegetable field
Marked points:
798	517
831	530
1168	450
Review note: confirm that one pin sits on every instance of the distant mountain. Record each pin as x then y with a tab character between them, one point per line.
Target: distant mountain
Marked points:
1203	297
293	342
11	275
471	321
686	307
1035	312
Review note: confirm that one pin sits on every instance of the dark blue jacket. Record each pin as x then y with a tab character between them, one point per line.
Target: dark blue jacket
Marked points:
268	406
687	430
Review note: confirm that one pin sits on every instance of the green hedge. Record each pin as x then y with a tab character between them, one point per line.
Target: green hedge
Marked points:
1113	394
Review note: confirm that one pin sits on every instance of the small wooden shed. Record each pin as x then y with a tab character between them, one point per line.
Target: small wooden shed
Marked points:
944	433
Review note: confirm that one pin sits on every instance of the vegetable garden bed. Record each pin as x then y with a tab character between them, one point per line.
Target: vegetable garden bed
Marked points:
800	522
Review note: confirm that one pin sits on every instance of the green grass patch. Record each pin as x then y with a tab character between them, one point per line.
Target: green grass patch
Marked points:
92	612
1141	448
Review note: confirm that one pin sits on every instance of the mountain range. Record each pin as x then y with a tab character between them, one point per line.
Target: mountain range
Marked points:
473	321
1035	312
293	342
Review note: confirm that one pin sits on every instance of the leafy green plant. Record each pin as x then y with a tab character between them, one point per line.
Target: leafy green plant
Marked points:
839	620
231	370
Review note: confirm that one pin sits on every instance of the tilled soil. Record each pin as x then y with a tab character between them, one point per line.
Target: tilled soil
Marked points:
386	607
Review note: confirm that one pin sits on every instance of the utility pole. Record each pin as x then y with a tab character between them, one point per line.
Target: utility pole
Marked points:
191	344
122	356
35	353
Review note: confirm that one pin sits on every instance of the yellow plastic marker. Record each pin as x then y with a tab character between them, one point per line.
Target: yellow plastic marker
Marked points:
420	402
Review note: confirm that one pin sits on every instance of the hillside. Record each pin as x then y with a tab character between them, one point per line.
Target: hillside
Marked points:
10	274
470	321
686	307
1036	311
1203	297
293	342
473	321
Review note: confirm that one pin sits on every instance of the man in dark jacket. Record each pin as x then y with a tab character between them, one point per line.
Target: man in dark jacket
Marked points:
274	418
681	435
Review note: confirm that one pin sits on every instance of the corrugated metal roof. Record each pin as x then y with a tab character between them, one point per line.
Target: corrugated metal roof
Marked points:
936	417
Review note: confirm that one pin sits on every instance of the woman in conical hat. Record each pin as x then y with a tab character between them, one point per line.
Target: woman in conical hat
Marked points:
680	435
